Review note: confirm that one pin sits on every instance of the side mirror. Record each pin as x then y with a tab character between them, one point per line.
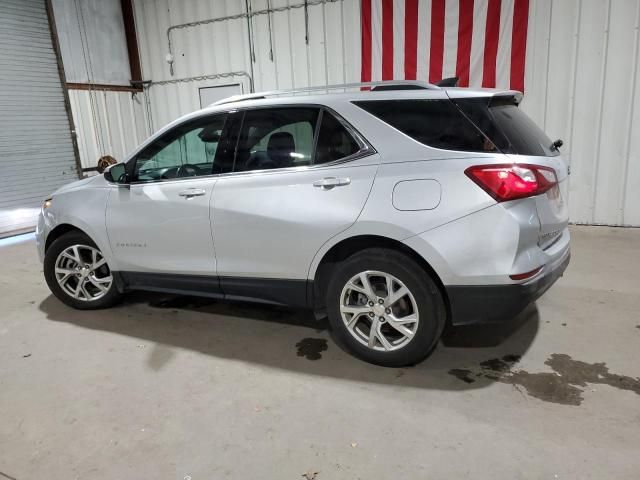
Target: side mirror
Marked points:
117	173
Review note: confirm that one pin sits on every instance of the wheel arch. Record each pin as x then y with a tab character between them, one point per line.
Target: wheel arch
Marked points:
348	246
59	231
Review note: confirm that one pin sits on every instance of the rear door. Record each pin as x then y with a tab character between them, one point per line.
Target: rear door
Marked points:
301	176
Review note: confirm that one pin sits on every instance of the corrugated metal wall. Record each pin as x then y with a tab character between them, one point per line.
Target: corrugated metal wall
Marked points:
107	123
92	41
36	148
283	58
94	51
581	75
582	86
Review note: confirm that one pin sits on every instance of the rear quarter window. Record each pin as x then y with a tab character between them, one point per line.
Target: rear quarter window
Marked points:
435	123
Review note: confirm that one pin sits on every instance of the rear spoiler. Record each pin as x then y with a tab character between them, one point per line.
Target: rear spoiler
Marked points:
491	97
506	98
448	82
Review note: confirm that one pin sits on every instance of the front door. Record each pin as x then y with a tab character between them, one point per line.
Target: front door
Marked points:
286	198
160	222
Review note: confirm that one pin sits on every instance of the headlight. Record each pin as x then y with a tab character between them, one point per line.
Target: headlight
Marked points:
46	204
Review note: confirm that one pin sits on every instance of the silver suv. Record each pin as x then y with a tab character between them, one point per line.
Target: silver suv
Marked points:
395	208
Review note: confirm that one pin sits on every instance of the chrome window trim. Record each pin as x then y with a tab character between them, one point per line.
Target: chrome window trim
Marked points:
301	168
366	149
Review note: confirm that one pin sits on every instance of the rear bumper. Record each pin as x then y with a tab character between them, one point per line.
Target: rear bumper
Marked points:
476	304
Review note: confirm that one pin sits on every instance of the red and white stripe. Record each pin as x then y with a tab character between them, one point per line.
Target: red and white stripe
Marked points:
482	42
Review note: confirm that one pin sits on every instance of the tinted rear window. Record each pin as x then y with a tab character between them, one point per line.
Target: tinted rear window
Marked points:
436	123
509	128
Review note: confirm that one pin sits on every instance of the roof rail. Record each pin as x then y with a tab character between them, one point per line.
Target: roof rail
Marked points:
385	85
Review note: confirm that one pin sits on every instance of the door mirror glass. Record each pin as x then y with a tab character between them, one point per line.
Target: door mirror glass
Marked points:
117	173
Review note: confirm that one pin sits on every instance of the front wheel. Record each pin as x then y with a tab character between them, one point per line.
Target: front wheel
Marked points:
78	274
385	308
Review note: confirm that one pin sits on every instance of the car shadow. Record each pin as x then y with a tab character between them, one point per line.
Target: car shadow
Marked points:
291	340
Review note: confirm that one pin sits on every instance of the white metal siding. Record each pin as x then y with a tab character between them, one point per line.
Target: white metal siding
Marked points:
223	47
92	41
36	150
581	76
582	86
107	123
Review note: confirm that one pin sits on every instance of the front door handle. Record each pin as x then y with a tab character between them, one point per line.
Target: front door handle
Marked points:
330	182
192	192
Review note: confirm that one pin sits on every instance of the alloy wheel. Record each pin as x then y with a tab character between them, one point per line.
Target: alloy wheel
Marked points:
82	273
379	310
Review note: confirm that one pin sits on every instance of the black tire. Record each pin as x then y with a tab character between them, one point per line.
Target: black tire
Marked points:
427	295
58	246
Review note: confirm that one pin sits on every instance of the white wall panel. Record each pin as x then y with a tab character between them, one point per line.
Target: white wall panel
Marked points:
584	139
581	76
283	59
92	41
631	173
107	123
170	101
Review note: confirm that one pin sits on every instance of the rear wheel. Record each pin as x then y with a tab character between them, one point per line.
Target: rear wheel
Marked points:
78	274
384	308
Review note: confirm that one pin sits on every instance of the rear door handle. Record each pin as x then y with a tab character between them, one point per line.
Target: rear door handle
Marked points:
192	192
330	182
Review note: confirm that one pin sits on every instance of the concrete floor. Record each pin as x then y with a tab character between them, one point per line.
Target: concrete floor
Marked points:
164	387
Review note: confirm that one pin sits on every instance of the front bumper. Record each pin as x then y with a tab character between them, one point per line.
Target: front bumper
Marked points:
41	235
476	304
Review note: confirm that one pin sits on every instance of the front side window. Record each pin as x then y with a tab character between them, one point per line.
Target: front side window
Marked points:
276	138
187	151
435	123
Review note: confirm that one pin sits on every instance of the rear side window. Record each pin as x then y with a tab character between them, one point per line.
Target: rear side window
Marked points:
436	123
510	129
276	138
283	137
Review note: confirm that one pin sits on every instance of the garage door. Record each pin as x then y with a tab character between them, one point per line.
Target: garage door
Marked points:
36	150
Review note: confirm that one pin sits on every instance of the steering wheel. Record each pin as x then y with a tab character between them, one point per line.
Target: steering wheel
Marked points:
188	170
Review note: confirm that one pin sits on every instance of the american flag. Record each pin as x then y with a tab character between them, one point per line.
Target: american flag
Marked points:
482	42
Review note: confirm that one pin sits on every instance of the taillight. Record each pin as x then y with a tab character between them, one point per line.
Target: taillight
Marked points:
511	181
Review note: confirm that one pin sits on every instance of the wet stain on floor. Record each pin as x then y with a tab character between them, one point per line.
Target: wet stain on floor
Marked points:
311	348
565	385
463	374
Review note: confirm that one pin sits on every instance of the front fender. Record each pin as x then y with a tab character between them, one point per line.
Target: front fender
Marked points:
84	209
